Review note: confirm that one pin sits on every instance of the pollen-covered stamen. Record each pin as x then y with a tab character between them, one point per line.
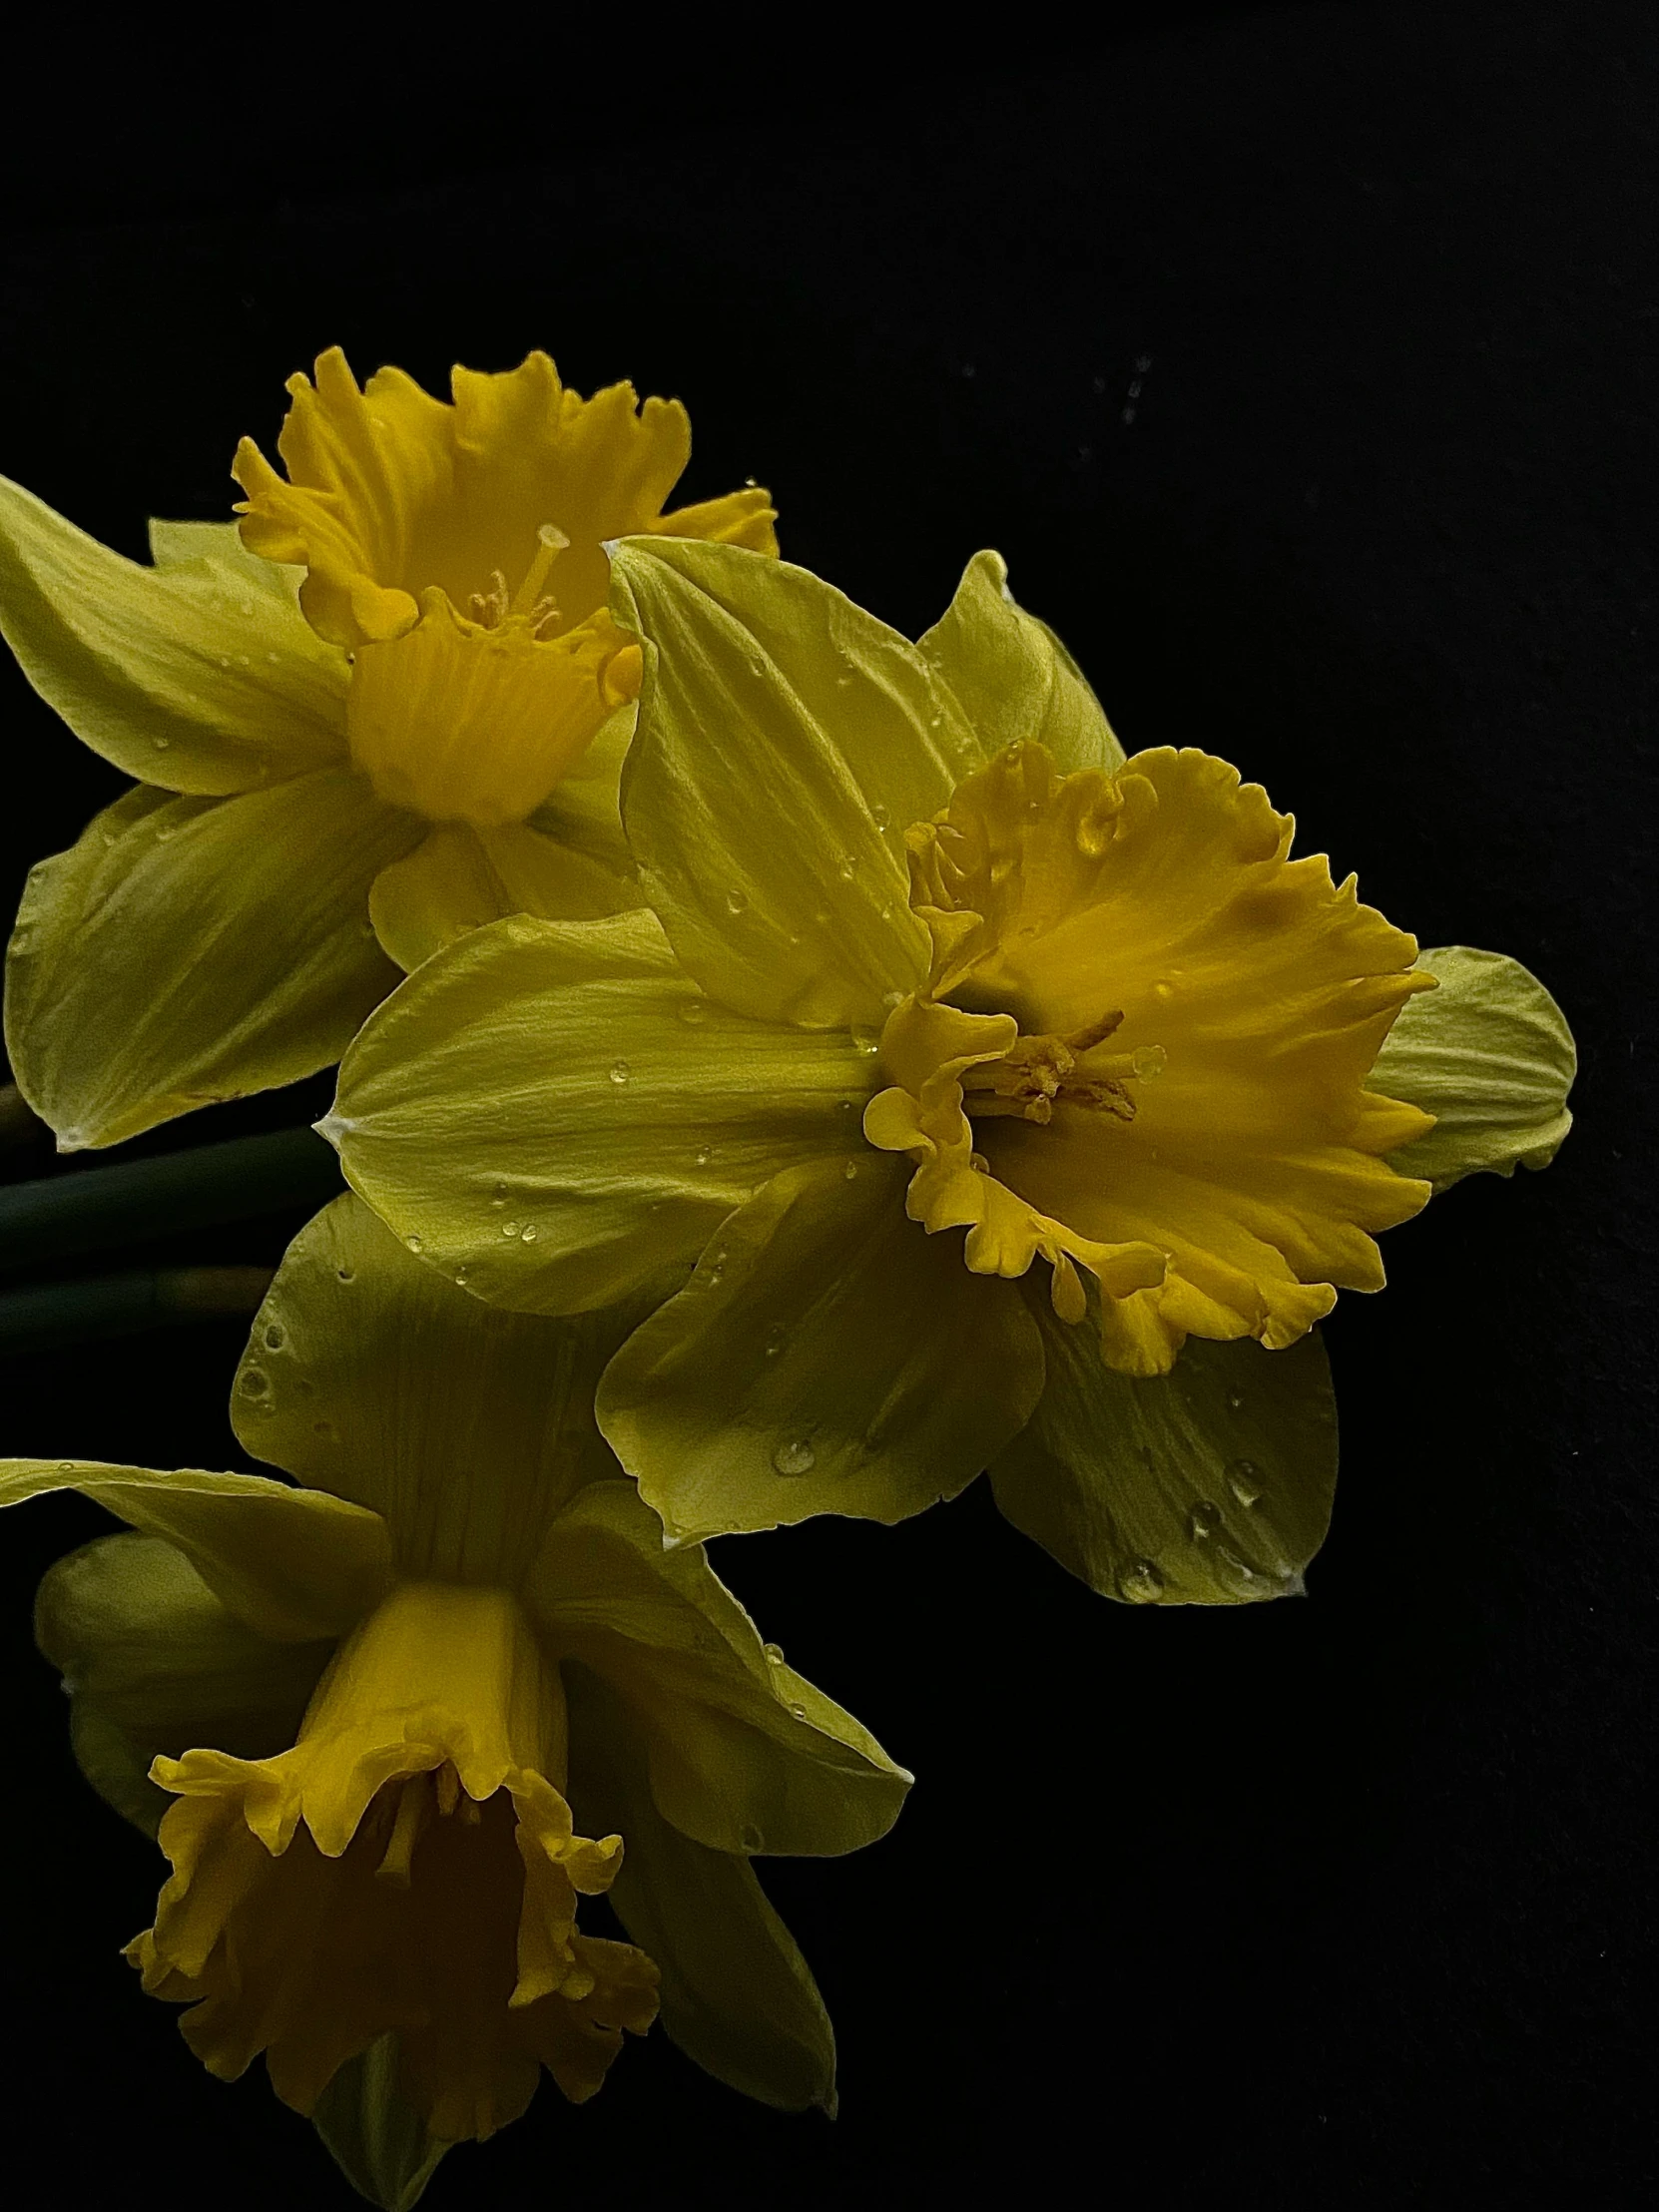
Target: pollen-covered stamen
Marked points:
1038	1074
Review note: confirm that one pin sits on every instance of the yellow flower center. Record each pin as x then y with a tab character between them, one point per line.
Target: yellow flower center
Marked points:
429	532
408	1865
1141	1050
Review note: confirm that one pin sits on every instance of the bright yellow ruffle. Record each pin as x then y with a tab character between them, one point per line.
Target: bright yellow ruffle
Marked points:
408	1866
458	548
1142	1050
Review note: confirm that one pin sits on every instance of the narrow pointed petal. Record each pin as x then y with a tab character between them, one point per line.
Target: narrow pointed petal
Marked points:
1490	1054
461	877
187	950
768	696
556	1108
155	1663
373	2132
370	1376
200	674
291	1564
744	1753
1015	680
737	1995
827	1356
1209	1486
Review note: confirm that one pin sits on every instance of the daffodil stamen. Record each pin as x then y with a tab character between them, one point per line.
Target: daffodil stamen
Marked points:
528	599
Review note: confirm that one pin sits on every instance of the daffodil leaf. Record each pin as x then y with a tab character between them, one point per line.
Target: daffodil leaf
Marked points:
1491	1055
771	699
193	950
827	1356
737	1995
373	2132
555	1108
1209	1486
155	1663
461	879
1014	679
200	674
744	1753
294	1566
370	1376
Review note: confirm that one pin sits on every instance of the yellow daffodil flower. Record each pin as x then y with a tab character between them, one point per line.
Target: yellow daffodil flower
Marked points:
402	1716
391	709
927	955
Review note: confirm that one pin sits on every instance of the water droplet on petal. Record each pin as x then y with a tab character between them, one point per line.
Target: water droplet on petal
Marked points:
1230	1559
509	1229
775	1340
460	1277
881	816
500	1198
851	1171
892	999
694	1012
255	1383
703	1155
1244	1480
799	1712
736	901
794	1458
345	1275
620	1071
865	1040
1163	988
846	868
528	1234
412	1240
1141	1583
160	743
1235	1402
1203	1521
774	1652
275	1336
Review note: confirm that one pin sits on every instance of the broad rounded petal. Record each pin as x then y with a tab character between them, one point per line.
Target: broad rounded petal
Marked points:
461	877
155	1664
200	675
188	950
744	1753
292	1564
737	1995
557	1109
828	1357
1209	1486
1490	1054
1015	680
370	1376
769	698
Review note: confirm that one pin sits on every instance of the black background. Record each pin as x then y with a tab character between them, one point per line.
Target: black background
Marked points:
1326	1903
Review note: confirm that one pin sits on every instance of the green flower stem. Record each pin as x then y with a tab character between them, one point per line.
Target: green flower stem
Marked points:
54	1217
123	1305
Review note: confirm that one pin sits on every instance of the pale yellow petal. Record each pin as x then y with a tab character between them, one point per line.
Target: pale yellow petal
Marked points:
462	878
195	675
188	950
292	1564
557	1109
370	1376
825	1358
153	1663
769	699
1015	680
744	1753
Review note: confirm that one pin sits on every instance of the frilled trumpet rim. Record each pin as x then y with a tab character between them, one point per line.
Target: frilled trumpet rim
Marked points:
1141	1051
408	1866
